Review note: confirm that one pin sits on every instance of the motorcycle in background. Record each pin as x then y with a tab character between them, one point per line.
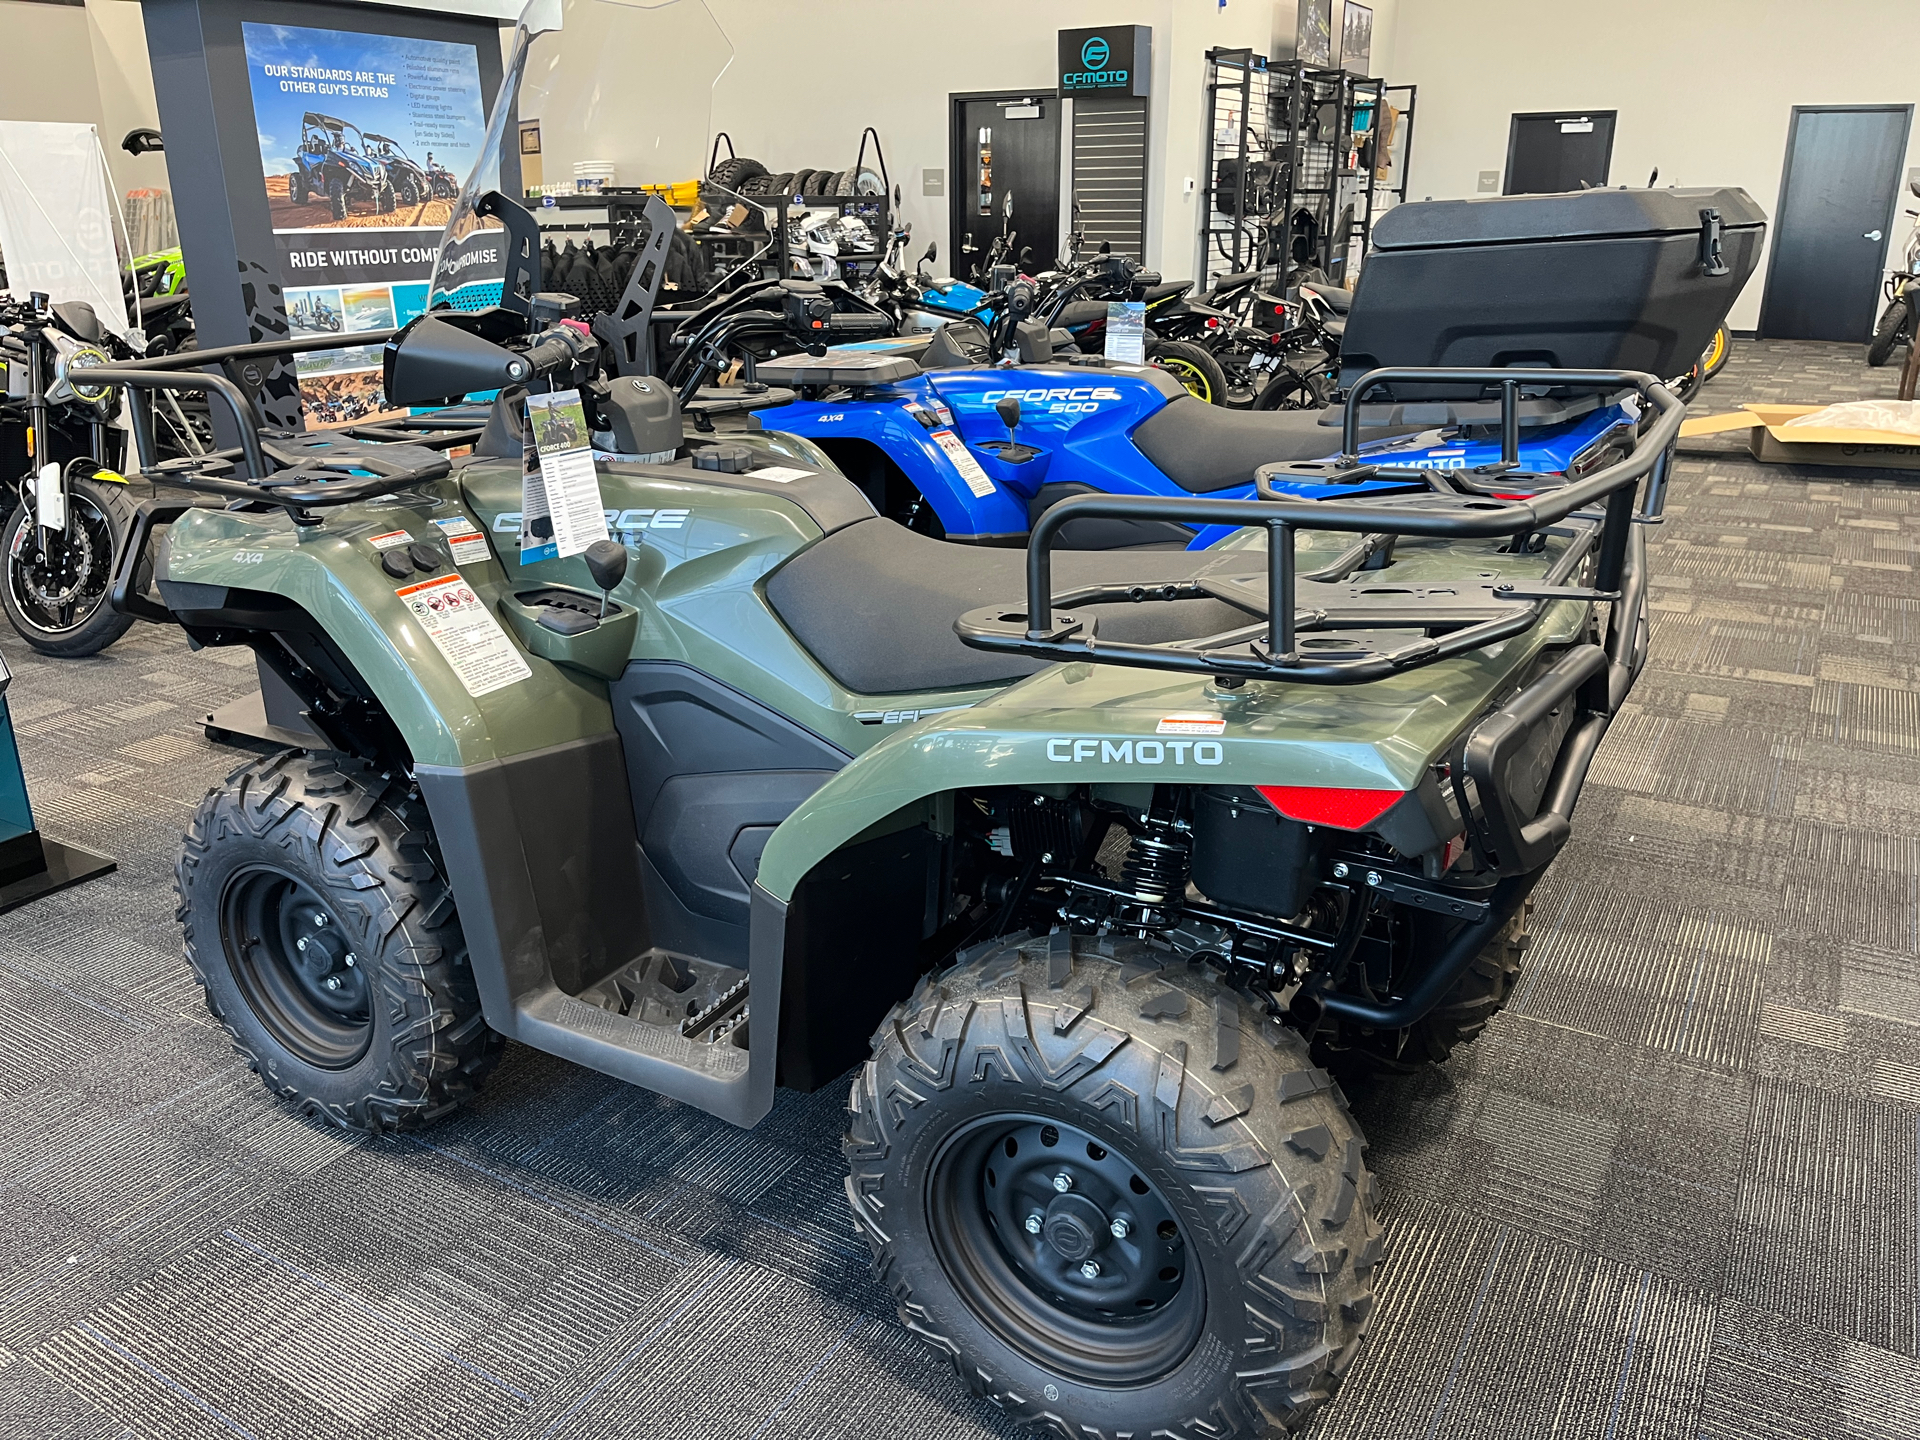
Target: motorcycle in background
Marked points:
1899	320
71	516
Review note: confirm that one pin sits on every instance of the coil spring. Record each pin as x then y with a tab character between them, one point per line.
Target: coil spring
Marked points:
1156	868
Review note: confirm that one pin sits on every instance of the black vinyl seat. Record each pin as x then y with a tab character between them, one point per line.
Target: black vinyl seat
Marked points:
1163	290
874	603
1340	300
1203	448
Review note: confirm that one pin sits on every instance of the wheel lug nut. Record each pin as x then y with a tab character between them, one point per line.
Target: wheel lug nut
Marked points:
1033	1223
320	917
301	943
333	982
1119	1229
1063	1182
1090	1269
349	962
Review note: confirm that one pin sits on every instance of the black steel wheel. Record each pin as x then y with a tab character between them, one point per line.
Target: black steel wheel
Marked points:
1065	1249
55	593
296	967
1114	1193
319	922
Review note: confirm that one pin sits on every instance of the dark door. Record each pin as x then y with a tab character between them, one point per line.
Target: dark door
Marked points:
1001	146
1559	150
1837	195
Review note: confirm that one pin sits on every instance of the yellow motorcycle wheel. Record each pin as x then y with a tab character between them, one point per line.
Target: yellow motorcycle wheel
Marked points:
1715	355
1193	367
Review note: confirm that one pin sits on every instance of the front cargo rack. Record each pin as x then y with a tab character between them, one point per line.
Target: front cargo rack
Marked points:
1604	542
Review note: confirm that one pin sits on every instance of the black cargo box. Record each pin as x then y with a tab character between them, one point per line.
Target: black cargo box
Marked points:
1596	279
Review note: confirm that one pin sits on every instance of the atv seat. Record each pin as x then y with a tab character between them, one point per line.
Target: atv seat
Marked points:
874	604
1203	448
1340	300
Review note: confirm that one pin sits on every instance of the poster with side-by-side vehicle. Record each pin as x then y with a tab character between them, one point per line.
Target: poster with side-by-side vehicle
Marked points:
364	142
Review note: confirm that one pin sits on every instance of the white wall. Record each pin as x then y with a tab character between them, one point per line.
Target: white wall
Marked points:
1704	91
63	62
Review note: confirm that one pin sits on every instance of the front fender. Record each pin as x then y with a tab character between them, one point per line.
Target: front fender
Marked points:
332	573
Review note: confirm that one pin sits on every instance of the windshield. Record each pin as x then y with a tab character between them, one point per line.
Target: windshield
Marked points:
598	95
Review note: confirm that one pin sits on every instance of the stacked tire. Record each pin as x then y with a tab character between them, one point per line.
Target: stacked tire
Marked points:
746	176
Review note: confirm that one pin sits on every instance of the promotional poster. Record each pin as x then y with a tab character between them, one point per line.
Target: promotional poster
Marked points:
364	143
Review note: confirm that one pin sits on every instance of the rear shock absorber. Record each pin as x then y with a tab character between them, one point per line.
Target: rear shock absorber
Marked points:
1154	873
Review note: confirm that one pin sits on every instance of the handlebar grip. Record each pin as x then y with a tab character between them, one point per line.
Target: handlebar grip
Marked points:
853	323
1146	277
559	346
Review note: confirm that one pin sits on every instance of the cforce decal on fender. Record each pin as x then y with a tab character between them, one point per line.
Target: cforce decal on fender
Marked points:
1059	400
507	522
1069	750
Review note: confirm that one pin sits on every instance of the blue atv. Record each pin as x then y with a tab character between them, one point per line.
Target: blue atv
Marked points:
969	432
335	161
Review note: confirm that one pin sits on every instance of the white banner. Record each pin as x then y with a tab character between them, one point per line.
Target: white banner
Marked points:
57	217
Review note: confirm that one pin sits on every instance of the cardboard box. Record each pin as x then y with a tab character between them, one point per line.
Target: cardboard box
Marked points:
1772	440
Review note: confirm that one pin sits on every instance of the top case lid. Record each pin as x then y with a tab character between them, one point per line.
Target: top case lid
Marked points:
1578	214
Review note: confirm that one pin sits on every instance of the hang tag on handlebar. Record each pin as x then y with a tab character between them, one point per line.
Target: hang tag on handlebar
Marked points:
49	499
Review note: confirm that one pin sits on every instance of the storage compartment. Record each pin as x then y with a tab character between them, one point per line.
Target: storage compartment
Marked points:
1598	279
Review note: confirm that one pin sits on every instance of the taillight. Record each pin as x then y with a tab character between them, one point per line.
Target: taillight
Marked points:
1213	322
1341	809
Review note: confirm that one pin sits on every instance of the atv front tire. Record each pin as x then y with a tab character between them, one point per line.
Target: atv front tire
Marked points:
1193	366
1119	1198
319	923
337	197
297	187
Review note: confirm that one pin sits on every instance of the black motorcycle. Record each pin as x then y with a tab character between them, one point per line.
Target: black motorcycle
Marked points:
71	514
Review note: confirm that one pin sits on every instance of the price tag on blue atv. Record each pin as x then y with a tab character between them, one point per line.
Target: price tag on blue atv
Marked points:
1127	331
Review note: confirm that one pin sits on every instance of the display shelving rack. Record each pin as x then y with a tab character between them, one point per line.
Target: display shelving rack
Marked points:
1284	186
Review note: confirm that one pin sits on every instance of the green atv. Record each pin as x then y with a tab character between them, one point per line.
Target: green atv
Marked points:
1095	868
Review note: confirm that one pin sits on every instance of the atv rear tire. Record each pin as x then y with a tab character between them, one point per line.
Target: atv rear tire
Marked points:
319	923
1888	333
1460	1017
297	187
1117	1197
1193	366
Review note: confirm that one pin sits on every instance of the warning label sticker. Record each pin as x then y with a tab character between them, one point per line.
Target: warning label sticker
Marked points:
468	544
964	462
466	634
1197	722
389	540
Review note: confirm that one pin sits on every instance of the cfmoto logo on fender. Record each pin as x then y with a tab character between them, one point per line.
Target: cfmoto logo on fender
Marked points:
1070	750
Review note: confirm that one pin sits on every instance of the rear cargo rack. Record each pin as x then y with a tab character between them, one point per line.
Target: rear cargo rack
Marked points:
1605	540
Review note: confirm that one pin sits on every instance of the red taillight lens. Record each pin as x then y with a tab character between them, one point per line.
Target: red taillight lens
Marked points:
1328	805
1213	322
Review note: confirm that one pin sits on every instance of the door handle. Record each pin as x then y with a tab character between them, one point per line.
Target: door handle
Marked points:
1871	235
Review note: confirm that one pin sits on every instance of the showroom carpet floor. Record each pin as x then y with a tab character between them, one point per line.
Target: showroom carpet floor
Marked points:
1672	1193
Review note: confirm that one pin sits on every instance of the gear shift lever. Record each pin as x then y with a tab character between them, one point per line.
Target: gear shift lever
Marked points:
607	564
1009	412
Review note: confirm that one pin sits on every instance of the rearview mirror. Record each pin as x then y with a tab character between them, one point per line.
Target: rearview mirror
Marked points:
896	196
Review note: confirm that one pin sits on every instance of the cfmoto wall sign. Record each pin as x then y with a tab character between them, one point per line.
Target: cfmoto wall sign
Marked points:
1110	60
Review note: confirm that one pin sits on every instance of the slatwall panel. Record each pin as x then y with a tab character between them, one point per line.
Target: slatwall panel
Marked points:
1110	171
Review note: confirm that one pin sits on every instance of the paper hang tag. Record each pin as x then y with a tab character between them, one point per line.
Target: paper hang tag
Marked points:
49	499
569	500
1127	331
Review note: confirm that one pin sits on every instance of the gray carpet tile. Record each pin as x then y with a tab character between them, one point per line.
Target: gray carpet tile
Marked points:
1673	1192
